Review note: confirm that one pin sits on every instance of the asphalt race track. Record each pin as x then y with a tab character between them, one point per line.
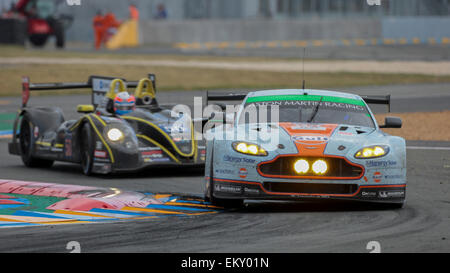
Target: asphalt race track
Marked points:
423	225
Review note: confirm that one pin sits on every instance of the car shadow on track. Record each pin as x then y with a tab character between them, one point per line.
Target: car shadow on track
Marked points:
149	172
309	206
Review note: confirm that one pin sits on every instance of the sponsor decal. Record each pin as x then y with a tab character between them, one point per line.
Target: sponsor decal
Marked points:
345	133
394	176
100	154
36	132
149	149
202	152
382	163
56	150
162	159
310	196
152	154
235	159
382	194
224	171
391	194
396	194
101	160
227	188
308	127
68	146
368	194
377	177
251	191
309	103
98	145
310	139
243	172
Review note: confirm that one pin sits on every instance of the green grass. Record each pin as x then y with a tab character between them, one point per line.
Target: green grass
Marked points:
181	78
16	51
173	78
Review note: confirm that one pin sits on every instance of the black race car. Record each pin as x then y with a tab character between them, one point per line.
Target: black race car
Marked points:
99	140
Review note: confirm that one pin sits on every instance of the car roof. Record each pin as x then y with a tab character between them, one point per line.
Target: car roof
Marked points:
303	91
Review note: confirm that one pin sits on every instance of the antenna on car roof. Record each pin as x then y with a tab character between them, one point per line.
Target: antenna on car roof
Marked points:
303	72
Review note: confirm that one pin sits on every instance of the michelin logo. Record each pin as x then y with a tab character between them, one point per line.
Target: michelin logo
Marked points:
391	194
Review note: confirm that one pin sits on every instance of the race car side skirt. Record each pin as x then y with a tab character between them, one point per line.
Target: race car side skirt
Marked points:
247	190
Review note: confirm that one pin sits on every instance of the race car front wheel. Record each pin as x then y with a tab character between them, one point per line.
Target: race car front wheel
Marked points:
86	149
26	146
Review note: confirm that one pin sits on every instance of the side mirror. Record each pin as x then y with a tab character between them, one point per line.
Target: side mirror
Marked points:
85	108
392	122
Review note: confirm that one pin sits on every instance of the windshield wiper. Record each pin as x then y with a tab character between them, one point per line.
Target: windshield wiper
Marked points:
315	110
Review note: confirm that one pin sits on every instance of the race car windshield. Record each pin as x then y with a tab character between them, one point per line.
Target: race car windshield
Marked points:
332	110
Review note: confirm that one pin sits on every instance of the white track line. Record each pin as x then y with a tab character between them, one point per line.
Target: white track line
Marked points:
427	148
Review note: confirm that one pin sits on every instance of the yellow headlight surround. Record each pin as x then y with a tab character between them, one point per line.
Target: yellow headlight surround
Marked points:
249	148
372	151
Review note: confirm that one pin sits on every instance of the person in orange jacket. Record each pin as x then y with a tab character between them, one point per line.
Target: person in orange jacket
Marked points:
99	29
111	25
134	12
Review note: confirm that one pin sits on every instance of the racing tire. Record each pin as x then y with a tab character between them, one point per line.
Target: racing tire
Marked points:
38	40
26	146
86	149
220	202
59	34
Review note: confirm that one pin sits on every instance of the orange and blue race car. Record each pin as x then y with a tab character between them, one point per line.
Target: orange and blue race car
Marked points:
305	144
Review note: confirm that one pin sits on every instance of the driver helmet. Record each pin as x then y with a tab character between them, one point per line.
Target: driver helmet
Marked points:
124	103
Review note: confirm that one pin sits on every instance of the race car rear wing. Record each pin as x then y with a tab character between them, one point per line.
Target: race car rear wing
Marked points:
236	97
224	97
378	100
98	84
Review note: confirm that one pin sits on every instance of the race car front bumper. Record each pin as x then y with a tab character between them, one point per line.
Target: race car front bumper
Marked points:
237	189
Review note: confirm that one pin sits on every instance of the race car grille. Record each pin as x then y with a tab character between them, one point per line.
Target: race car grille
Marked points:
310	188
337	168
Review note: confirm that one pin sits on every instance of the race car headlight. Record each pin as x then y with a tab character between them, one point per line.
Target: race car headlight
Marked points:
320	166
249	148
301	166
372	151
115	135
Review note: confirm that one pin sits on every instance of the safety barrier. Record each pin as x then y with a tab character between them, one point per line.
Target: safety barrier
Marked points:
313	43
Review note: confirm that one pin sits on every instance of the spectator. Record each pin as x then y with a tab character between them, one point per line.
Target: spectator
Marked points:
111	25
161	12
